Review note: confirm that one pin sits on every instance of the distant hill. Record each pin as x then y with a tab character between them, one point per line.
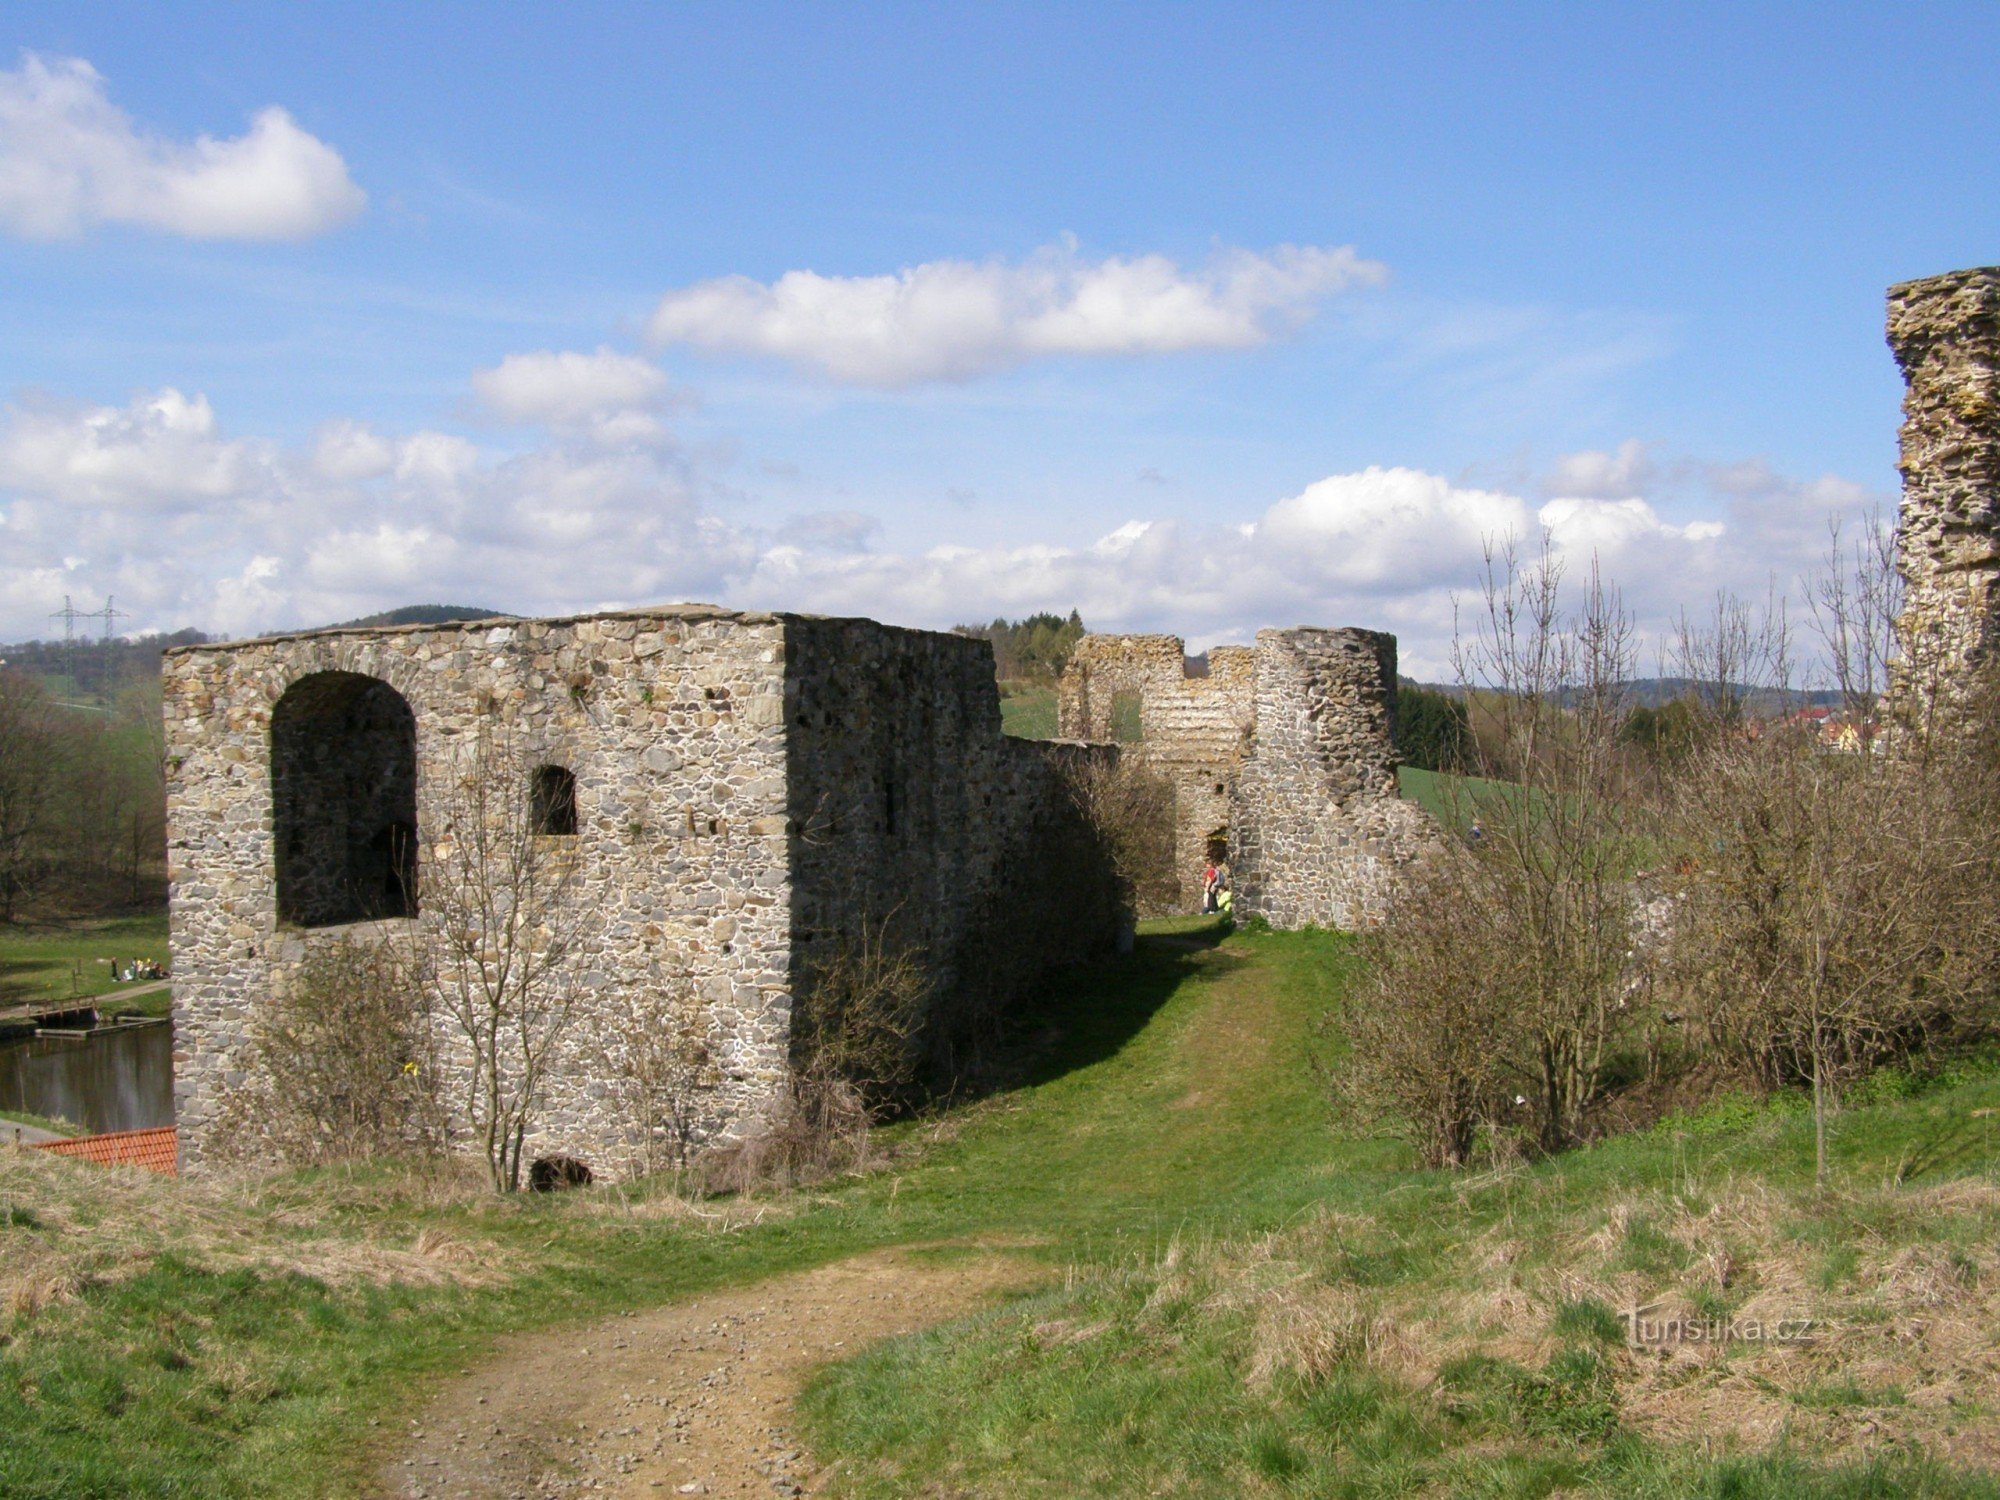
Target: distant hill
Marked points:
422	614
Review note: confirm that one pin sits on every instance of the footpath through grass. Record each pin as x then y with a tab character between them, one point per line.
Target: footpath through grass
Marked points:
1242	1299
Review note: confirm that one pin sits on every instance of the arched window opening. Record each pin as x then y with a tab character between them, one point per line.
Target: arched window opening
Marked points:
552	800
344	800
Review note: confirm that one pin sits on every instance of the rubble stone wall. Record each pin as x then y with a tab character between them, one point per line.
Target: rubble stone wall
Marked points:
913	815
1945	333
1195	728
1319	833
751	790
672	723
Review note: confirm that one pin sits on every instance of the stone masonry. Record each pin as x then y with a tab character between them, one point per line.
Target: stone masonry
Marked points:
1282	754
1945	333
750	789
1194	728
1320	832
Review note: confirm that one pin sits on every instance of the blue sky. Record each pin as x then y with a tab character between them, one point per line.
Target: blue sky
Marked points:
1198	319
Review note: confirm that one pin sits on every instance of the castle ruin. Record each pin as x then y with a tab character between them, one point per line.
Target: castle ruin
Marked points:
1945	333
741	793
1282	759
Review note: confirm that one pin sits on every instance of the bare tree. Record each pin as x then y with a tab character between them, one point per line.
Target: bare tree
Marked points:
1835	911
1855	602
661	1069
1557	847
29	772
1733	651
500	930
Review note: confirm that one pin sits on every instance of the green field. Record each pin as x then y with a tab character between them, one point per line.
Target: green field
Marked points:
1240	1296
72	959
1027	712
1452	799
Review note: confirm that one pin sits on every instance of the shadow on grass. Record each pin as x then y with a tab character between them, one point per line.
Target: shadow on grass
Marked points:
1085	1015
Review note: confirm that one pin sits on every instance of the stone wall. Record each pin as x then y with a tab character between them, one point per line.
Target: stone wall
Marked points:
910	808
1319	832
1945	332
750	789
672	722
1195	728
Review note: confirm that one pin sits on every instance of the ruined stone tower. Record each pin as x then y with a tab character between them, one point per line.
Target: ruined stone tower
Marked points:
1190	722
1945	332
1282	758
1320	830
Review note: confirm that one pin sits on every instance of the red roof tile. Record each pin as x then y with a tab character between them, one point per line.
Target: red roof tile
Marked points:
151	1149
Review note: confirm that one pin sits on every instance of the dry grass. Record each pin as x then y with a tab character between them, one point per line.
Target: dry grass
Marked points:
73	1225
1905	1348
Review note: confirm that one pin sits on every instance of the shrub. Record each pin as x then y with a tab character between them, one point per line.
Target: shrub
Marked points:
857	1027
342	1062
660	1069
1428	1045
1129	809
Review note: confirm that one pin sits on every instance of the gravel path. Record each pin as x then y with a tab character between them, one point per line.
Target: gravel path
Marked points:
691	1399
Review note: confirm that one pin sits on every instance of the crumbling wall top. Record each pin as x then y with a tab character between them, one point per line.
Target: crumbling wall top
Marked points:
680	612
1949	306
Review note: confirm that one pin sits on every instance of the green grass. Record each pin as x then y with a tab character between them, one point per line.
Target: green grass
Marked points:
1165	1154
40	1122
62	961
1028	712
1452	799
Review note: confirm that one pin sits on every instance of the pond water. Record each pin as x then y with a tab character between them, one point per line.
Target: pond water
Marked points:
119	1079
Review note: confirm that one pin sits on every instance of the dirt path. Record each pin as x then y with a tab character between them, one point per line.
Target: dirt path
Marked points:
693	1399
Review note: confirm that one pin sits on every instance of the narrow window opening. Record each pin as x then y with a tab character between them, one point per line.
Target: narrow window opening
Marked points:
553	800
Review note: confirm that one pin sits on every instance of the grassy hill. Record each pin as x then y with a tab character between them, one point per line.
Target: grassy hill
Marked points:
1237	1295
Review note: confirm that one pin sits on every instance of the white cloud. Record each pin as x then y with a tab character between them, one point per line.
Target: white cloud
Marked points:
1399	525
1386	548
70	158
154	502
955	319
1597	475
614	398
159	453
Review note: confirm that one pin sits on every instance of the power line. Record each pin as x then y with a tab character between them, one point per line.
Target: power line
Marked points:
69	614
